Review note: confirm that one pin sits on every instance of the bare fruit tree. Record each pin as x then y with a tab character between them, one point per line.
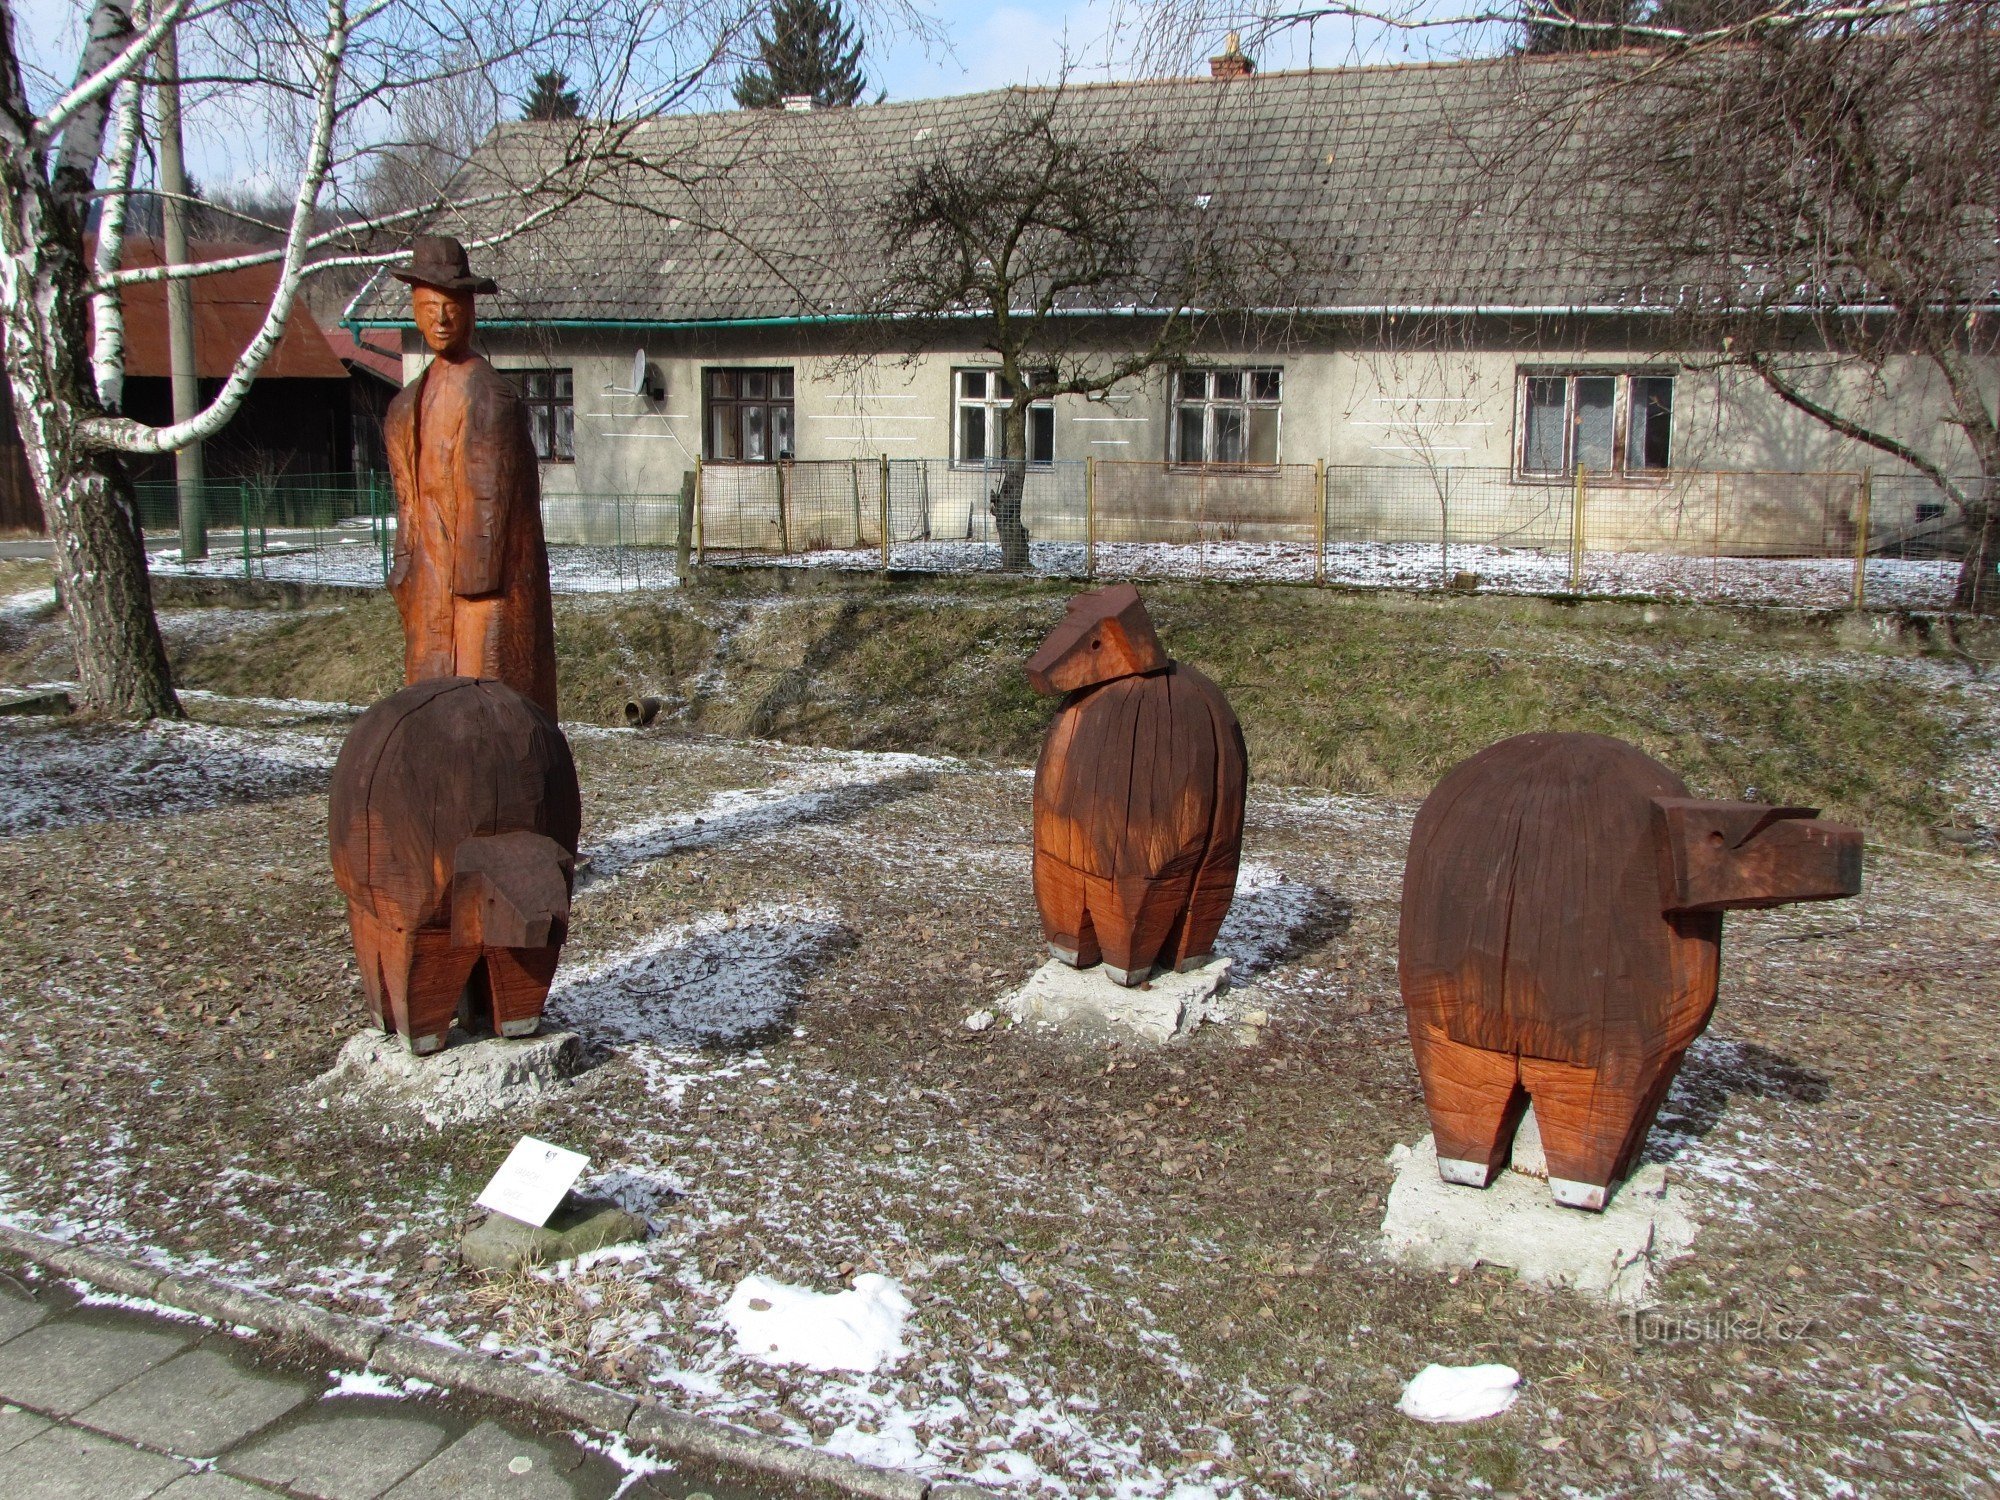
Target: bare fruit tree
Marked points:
1812	186
1046	228
339	97
1824	202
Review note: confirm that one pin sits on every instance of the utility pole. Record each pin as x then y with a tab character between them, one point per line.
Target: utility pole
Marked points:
189	477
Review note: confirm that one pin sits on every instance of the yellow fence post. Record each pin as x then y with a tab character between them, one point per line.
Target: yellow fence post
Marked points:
1576	532
784	517
700	544
1090	516
1319	522
884	485
1863	503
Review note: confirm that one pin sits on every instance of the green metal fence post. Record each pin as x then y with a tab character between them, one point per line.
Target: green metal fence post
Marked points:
381	521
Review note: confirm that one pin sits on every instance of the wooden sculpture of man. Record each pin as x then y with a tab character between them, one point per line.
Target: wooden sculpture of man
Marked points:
471	573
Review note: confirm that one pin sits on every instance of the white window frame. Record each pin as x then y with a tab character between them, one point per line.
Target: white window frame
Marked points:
1212	401
995	407
1621	469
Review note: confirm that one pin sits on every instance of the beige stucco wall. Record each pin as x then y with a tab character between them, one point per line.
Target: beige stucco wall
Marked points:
1418	443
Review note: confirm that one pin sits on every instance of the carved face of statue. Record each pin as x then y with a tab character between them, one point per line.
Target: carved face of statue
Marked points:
444	319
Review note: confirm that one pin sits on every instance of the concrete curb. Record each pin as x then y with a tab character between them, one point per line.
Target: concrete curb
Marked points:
578	1403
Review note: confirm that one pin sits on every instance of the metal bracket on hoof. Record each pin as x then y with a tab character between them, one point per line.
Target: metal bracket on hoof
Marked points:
1199	961
1129	978
522	1028
1590	1195
1064	955
424	1046
1464	1173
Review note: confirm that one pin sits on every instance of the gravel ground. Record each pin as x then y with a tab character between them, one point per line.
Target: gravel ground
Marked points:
1135	1273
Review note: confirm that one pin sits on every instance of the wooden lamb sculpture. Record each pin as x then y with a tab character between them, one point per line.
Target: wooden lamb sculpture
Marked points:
1561	937
454	822
1138	795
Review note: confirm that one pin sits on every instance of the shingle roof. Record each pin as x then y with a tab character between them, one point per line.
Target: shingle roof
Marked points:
1443	185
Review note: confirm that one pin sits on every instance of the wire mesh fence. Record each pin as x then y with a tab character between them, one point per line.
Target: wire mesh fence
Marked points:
1821	539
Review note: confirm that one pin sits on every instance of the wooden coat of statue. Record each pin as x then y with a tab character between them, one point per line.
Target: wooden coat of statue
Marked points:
1138	795
454	818
1561	941
471	572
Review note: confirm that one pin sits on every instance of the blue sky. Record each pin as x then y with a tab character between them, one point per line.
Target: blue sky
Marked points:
995	44
991	43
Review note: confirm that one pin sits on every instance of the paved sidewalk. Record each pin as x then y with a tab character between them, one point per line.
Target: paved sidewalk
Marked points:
102	1403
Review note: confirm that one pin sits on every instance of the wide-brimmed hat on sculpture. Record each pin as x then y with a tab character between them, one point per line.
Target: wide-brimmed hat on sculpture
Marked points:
439	260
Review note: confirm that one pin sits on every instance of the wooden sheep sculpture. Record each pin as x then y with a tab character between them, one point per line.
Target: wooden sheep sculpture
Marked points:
1138	795
1561	942
454	822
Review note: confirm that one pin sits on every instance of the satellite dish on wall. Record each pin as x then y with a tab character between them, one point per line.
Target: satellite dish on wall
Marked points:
646	380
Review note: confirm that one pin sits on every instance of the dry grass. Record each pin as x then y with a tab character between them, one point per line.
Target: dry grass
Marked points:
1355	692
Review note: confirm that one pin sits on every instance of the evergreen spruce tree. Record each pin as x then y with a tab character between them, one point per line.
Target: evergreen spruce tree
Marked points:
552	98
810	48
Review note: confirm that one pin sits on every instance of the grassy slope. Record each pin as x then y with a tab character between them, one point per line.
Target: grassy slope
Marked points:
1355	692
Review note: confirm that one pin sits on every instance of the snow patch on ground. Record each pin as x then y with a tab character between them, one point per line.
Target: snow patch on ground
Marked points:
723	980
89	1296
1825	582
635	1463
1269	912
816	790
28	602
1821	582
1460	1393
374	1383
860	1329
60	775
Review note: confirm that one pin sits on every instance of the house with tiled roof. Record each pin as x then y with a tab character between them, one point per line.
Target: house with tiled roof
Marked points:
1461	303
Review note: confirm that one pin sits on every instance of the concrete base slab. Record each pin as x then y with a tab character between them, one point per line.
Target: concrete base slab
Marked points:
196	1404
17	1426
341	1453
489	1460
1092	1003
577	1227
18	1313
64	1463
63	1367
1613	1255
465	1081
209	1485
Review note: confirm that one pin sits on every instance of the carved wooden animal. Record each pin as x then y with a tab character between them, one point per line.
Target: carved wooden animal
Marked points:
1561	937
1138	795
454	818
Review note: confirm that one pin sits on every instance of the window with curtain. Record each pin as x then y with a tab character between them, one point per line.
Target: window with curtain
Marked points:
1611	422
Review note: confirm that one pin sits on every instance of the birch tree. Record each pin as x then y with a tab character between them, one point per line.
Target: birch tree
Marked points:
316	84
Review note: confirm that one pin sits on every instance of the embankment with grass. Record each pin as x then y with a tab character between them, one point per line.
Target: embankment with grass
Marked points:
1879	719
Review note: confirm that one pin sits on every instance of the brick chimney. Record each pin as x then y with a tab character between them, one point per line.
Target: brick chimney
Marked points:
1230	62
